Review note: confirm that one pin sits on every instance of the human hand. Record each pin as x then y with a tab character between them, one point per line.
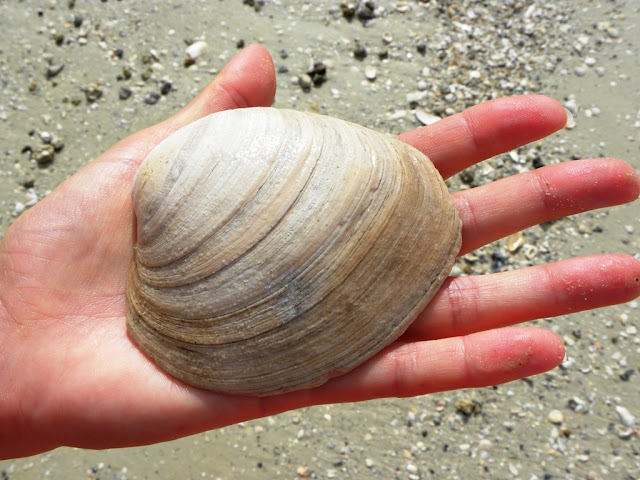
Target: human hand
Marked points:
70	374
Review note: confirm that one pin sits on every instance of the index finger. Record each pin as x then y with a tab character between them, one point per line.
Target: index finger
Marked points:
490	128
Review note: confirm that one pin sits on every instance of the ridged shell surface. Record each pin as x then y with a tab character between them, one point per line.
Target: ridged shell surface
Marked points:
277	249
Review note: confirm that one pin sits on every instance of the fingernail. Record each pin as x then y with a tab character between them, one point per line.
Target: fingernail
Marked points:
570	121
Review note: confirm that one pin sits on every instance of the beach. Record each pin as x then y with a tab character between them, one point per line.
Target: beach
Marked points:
77	77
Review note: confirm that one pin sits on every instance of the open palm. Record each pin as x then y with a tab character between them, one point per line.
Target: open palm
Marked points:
68	369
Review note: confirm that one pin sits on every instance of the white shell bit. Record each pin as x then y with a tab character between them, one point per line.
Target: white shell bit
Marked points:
277	249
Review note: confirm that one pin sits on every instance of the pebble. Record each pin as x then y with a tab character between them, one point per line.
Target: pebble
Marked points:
580	71
578	405
165	87
555	417
484	444
317	72
124	93
152	98
93	92
195	49
627	419
304	81
415	97
56	142
613	32
54	70
370	72
468	406
368	462
411	468
44	154
45	137
360	52
397	115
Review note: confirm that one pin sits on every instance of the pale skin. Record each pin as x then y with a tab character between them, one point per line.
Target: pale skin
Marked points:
70	375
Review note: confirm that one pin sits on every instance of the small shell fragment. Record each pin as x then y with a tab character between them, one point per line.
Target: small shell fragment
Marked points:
515	241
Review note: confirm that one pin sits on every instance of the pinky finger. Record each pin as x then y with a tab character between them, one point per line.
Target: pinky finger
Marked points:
416	368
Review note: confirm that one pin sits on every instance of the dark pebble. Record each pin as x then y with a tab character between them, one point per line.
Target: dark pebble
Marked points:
627	375
124	93
28	183
256	4
92	93
467	176
152	98
360	53
165	87
366	13
283	69
348	10
240	44
54	70
318	73
126	73
597	229
537	162
77	21
118	52
188	62
528	381
58	38
422	48
498	261
283	54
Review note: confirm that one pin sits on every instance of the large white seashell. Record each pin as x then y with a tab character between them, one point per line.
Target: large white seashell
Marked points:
277	249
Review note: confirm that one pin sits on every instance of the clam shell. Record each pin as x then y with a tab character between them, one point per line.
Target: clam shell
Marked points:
277	249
